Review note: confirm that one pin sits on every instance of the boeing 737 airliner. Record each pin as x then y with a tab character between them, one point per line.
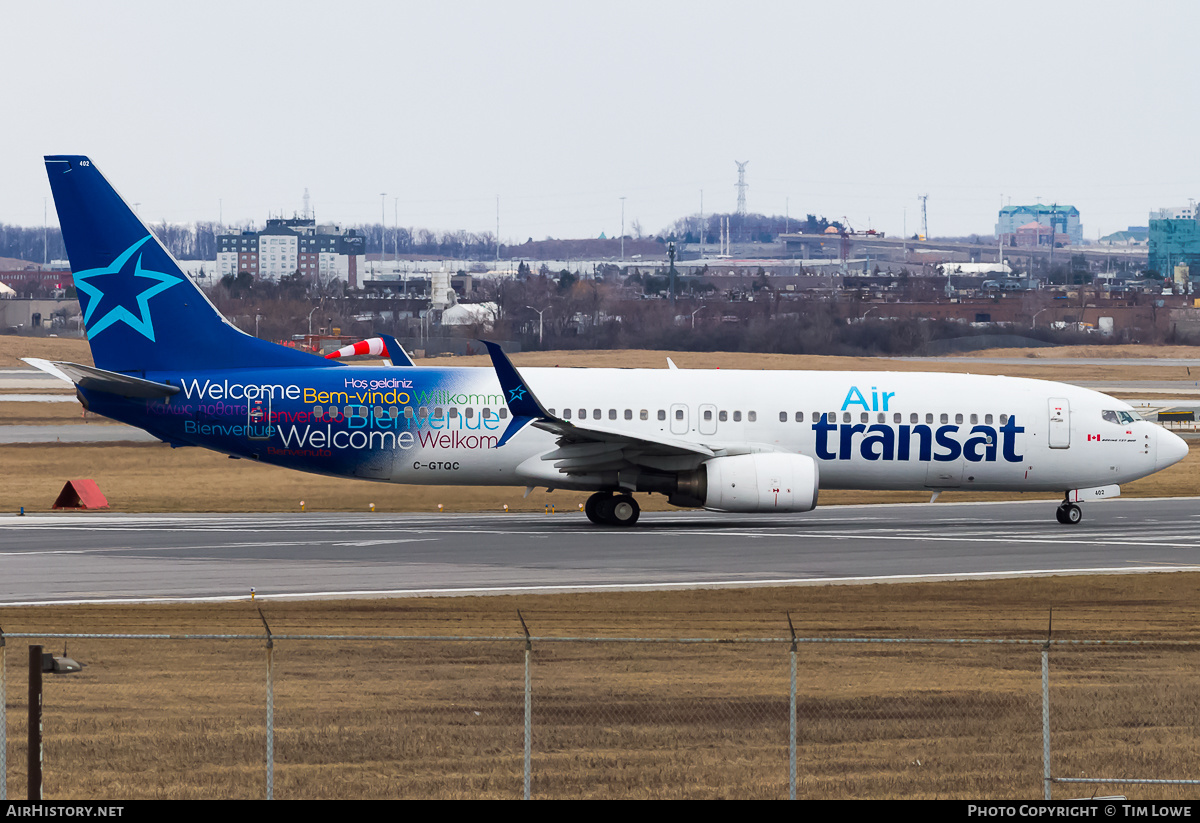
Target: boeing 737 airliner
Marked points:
734	441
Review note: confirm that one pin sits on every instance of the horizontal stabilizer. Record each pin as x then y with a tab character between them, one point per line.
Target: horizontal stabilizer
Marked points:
94	379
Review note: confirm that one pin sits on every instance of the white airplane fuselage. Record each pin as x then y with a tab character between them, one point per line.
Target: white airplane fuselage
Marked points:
864	430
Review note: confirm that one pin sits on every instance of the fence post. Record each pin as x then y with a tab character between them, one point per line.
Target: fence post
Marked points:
1046	720
3	721
1046	710
528	704
34	787
792	718
270	709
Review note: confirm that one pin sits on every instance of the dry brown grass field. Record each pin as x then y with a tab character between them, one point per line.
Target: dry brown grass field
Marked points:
13	348
438	718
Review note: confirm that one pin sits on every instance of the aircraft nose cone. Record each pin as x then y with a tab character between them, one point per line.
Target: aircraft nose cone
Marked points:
1171	449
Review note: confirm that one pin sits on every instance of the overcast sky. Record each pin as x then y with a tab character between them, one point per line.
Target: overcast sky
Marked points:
560	109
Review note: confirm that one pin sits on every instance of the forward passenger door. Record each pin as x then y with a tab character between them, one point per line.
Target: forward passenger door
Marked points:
1060	423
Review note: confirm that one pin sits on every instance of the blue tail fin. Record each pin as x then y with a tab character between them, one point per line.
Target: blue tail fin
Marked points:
141	311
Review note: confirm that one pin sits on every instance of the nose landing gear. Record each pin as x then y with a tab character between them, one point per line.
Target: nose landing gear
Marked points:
1068	514
606	509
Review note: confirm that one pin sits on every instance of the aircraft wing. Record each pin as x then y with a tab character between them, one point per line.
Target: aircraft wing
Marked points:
584	448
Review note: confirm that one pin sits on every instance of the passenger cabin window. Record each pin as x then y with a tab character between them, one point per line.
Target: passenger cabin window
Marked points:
504	413
896	418
487	414
799	417
629	414
845	417
864	417
782	417
737	417
597	414
722	416
643	415
945	418
958	418
751	417
1003	419
566	414
453	412
929	418
987	418
662	414
612	414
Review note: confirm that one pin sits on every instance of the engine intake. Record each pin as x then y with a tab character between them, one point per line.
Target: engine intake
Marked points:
764	482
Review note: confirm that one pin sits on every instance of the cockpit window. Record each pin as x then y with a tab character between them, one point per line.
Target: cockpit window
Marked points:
1121	417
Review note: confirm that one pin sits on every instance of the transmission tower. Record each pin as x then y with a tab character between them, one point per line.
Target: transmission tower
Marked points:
741	186
924	220
306	204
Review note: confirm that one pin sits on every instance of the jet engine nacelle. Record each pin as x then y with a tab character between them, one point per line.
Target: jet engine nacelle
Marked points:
764	482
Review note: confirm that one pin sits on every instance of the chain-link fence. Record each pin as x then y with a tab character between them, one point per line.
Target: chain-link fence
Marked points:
293	716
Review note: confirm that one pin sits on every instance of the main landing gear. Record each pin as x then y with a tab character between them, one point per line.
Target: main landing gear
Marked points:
607	509
1068	514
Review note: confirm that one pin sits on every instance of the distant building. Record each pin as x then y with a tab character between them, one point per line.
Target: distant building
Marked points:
1187	212
1132	236
1032	234
35	282
1174	241
999	269
1063	219
298	245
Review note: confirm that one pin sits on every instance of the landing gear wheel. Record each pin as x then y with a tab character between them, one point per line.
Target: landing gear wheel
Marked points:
623	511
1069	514
594	505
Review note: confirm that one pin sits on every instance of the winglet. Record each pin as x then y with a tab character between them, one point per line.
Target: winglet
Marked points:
396	352
524	406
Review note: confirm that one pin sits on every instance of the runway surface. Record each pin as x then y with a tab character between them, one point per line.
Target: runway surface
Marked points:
75	433
98	557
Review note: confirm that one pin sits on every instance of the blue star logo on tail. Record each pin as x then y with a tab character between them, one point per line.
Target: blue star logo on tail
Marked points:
118	283
516	394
